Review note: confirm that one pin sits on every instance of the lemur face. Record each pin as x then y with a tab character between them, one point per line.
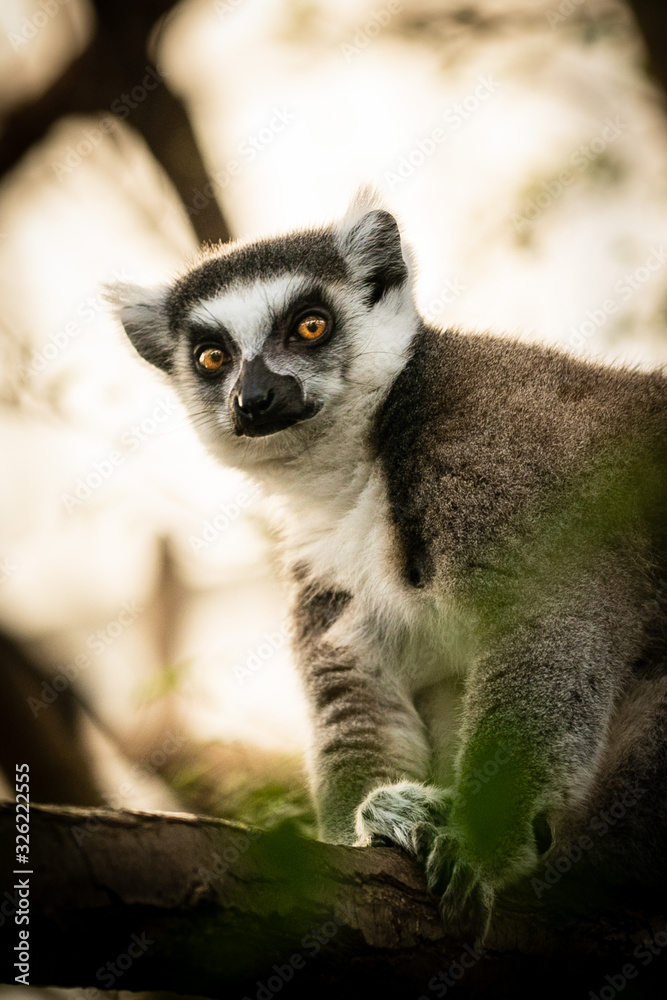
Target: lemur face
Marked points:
266	355
267	343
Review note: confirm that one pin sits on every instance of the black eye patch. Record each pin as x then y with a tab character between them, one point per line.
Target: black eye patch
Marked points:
205	333
311	303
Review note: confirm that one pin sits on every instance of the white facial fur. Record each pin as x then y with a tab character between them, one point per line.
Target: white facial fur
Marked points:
244	311
347	377
318	470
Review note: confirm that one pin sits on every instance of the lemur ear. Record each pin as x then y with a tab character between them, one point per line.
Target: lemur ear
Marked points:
143	315
372	243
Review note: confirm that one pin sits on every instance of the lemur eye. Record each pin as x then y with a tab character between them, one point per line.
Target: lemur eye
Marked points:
312	327
211	359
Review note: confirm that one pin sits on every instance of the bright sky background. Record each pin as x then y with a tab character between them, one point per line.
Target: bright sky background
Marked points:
529	170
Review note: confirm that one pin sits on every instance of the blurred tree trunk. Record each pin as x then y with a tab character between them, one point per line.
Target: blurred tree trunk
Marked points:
651	18
42	733
114	64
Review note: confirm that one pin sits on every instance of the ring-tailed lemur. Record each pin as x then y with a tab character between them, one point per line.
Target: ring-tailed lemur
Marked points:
475	534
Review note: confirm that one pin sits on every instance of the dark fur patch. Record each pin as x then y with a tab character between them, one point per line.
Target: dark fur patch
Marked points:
379	248
315	611
477	429
312	253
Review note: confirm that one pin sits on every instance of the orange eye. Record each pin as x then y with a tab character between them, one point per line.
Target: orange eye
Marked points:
211	359
312	327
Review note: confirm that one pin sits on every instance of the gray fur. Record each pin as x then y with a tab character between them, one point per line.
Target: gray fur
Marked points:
475	532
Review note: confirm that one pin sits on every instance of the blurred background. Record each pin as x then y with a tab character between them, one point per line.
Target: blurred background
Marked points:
144	657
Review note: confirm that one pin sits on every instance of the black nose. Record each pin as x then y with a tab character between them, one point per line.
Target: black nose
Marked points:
254	401
263	401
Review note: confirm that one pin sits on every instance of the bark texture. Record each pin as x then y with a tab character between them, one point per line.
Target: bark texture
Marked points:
139	901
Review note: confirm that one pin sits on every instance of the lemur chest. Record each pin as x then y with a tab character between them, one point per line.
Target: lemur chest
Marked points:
413	633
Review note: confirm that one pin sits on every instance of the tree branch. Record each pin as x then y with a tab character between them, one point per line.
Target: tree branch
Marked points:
201	906
111	68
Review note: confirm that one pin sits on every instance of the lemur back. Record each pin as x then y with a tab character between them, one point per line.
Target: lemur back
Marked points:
474	534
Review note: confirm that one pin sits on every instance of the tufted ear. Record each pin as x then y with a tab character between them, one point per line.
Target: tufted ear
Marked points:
143	315
371	242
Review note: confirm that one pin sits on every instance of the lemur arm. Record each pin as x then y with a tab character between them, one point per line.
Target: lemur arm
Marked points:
365	730
538	705
536	712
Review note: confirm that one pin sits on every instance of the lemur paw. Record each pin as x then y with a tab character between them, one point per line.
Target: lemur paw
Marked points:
405	814
415	817
464	870
465	897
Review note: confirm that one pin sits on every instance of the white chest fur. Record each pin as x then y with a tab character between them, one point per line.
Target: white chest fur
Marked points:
347	541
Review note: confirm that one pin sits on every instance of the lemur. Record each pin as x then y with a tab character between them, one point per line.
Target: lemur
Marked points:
474	534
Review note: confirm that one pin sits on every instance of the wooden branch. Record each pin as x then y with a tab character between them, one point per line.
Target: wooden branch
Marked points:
99	81
139	901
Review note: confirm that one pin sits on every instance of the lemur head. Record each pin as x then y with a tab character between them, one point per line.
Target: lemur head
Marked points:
270	344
